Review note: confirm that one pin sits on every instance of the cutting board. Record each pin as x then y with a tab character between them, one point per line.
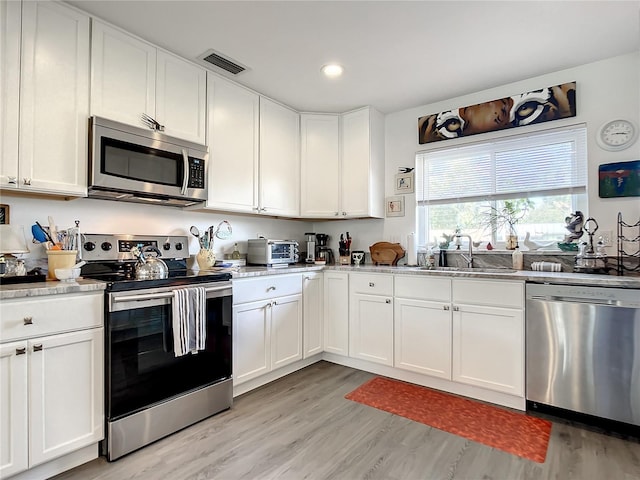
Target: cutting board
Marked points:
386	253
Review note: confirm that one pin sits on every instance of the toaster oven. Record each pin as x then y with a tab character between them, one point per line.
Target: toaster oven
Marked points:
272	253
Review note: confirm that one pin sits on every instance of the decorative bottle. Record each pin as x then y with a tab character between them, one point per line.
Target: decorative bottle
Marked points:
235	255
518	258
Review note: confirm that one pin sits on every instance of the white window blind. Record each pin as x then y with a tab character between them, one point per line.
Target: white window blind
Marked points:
544	163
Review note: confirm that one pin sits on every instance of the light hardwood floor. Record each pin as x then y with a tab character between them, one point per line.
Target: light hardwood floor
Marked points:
301	426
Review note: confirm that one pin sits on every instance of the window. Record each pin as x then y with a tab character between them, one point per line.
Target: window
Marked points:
543	174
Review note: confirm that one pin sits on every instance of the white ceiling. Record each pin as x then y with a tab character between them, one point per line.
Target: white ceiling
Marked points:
396	54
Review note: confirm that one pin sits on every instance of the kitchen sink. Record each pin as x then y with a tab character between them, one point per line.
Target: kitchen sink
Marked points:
472	270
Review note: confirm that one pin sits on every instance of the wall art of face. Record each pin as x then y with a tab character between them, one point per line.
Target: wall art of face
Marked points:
531	107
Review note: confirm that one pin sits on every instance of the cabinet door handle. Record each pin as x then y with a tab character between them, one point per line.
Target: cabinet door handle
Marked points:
371	284
344	214
387	301
274	303
456	309
445	307
27	181
21	351
12	180
28	320
37	348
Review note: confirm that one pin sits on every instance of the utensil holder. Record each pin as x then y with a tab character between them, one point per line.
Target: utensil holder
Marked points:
60	259
206	259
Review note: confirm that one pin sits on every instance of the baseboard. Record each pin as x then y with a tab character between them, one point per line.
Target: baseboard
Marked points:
60	464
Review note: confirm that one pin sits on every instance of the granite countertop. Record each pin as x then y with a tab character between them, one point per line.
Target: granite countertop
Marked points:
50	288
566	278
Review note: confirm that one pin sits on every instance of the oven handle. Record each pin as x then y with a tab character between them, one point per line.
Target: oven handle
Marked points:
160	295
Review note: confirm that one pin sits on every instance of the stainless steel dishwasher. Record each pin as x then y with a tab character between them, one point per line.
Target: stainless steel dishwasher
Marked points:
583	350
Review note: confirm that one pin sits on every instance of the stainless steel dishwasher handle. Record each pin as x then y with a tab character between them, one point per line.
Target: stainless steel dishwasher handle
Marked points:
586	301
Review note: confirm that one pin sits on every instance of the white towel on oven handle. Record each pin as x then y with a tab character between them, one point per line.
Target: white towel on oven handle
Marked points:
189	320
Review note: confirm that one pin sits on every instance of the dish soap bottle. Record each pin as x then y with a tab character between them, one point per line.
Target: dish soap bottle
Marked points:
518	258
235	255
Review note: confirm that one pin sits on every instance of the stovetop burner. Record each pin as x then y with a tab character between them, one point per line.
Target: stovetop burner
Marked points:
109	259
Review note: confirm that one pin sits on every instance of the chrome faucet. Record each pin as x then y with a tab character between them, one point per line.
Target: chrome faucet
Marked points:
468	258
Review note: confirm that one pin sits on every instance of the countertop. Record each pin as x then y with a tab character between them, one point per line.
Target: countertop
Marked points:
566	278
50	288
562	278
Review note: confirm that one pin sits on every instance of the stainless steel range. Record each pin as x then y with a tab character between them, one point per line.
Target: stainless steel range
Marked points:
152	392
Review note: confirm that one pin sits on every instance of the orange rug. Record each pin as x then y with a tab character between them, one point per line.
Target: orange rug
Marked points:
512	432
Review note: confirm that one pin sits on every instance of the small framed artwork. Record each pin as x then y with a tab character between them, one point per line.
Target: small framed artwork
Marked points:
404	183
4	214
620	179
395	206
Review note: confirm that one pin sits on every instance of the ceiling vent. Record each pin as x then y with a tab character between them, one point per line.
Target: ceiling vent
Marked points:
221	63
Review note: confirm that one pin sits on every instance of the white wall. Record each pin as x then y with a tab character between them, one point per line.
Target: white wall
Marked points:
606	90
104	216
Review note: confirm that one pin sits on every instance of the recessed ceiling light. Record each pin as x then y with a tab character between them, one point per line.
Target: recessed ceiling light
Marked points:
332	70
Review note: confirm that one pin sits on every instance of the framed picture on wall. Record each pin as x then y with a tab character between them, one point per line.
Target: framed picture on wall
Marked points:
4	214
404	183
395	206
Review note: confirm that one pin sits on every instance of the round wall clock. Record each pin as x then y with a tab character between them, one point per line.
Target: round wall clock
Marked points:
617	135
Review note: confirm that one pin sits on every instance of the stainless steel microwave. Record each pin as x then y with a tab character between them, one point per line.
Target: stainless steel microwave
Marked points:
145	166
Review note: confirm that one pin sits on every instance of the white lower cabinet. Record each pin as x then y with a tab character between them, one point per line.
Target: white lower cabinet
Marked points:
51	395
267	325
488	335
371	317
423	325
312	304
336	312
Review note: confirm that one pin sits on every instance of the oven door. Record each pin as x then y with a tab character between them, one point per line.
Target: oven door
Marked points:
142	369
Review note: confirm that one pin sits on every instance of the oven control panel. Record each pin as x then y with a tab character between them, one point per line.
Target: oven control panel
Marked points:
105	247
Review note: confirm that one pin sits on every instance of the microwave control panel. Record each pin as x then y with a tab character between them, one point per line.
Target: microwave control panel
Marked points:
196	173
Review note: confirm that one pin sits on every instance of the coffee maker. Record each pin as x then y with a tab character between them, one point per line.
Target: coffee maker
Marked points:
323	252
311	248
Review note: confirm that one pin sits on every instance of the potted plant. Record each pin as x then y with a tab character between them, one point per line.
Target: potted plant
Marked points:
507	216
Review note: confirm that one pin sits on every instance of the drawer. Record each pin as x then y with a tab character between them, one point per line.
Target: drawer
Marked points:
508	294
270	286
371	284
420	287
49	315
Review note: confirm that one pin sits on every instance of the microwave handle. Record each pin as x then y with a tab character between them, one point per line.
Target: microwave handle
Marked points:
185	176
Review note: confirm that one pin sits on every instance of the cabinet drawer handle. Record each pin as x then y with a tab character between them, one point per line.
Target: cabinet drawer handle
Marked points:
271	289
21	351
28	320
371	284
446	307
37	348
456	309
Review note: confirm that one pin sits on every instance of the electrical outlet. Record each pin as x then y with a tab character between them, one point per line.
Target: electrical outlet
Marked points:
607	237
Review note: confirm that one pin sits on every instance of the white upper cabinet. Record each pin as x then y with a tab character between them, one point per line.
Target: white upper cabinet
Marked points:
130	77
10	21
343	165
279	185
233	154
53	96
362	162
181	97
320	165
